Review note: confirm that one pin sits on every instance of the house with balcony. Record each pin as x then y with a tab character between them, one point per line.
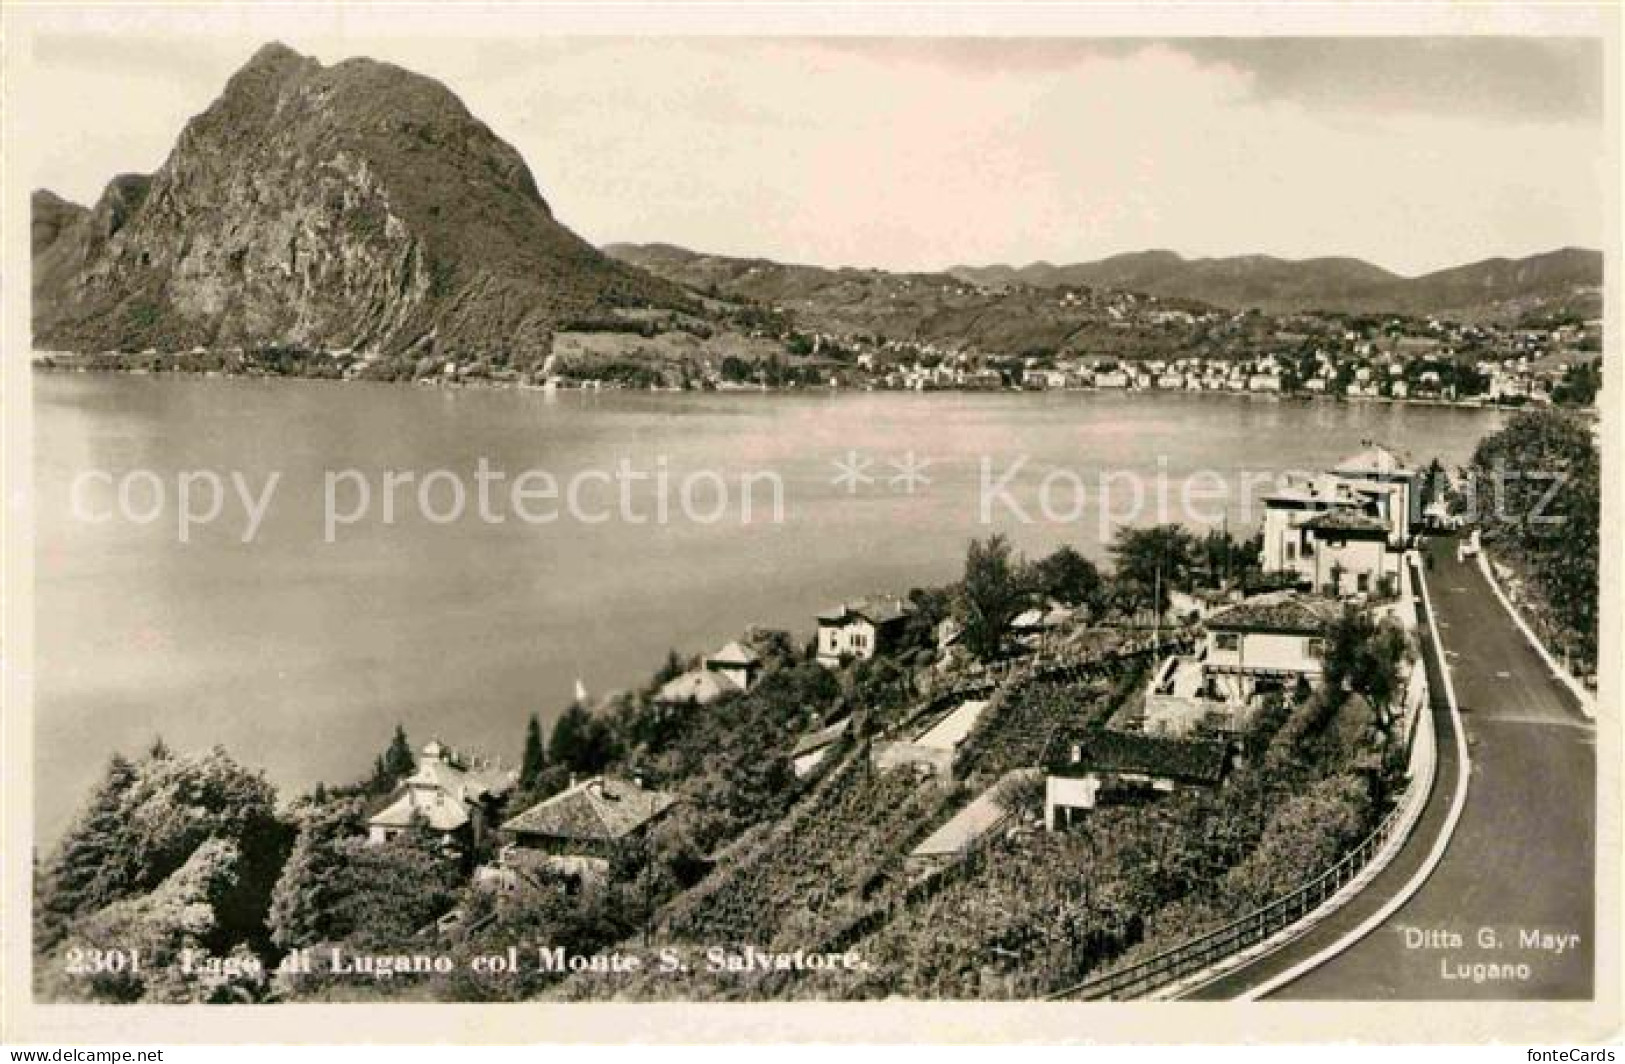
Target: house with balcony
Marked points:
1266	644
1346	528
1296	501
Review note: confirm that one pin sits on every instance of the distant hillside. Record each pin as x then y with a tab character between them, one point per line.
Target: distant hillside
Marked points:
352	206
925	307
1335	284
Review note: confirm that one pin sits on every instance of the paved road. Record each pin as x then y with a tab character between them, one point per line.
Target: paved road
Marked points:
1521	862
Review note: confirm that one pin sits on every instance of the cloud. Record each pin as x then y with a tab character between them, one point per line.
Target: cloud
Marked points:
1512	78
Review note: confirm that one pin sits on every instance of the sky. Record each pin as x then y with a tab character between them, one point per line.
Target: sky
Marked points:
921	153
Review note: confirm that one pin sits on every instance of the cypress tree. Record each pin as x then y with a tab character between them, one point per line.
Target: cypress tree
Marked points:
535	757
398	759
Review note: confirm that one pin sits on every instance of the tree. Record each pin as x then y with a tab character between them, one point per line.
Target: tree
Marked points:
1580	384
1146	559
1067	576
1303	838
581	741
535	756
90	866
148	821
1434	483
931	607
1364	657
338	886
673	667
1538	491
395	762
990	596
1224	558
398	759
183	912
302	909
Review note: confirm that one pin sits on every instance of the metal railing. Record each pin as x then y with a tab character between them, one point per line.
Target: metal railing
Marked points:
1201	952
1197	954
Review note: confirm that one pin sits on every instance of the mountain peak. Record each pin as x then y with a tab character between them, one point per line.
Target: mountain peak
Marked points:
275	53
356	205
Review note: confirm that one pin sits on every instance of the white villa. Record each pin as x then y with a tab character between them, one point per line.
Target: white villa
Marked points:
860	629
1381	475
1344	531
1346	553
452	795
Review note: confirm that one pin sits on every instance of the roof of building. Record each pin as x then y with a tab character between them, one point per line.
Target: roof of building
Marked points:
1374	459
603	808
441	811
735	653
698	686
442	789
982	815
1350	521
1101	750
452	777
876	609
950	731
1324	490
821	738
1287	612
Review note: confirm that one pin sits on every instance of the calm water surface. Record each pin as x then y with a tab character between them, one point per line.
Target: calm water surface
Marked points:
300	655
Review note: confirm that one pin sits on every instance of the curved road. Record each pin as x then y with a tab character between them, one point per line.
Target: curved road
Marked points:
1508	913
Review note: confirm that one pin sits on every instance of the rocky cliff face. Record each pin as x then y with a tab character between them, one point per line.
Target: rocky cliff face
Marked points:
353	206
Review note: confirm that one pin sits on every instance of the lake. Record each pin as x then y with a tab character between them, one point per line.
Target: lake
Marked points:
299	655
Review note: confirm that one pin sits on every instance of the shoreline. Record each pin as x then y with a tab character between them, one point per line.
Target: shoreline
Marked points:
593	387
